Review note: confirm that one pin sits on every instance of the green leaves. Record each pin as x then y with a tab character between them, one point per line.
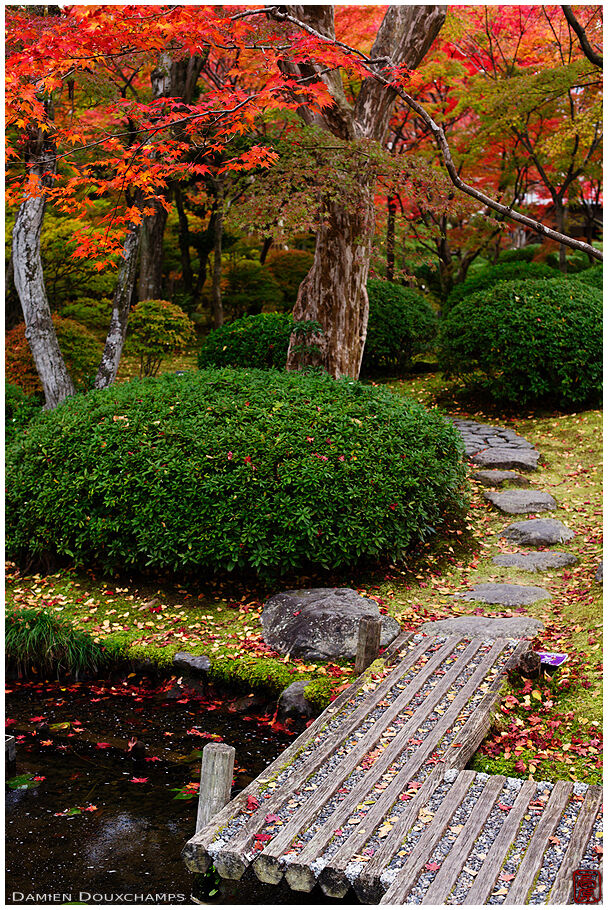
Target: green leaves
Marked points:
232	469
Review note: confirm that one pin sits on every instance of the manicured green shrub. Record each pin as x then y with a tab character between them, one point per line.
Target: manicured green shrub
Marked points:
81	352
253	341
488	277
248	288
289	268
527	341
157	328
593	277
226	470
19	410
401	324
34	638
94	313
521	254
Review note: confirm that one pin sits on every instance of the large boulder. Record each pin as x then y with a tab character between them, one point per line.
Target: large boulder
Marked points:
320	623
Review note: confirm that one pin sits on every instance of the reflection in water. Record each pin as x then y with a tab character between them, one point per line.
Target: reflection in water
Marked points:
100	823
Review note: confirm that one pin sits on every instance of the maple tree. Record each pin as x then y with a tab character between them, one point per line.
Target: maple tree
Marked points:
108	121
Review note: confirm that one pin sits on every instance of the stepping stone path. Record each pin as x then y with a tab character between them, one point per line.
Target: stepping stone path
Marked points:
496	447
485	626
537	532
535	562
505	594
516	502
498	478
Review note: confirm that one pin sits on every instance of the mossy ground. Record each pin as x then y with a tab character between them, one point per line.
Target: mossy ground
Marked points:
154	620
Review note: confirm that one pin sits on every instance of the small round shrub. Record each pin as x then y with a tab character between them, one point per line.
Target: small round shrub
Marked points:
593	277
248	288
289	268
157	328
401	324
226	470
253	341
528	341
19	410
488	277
521	254
81	352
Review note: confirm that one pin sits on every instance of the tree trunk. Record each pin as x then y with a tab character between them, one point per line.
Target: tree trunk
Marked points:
334	291
390	238
150	285
218	231
184	243
110	359
29	281
28	274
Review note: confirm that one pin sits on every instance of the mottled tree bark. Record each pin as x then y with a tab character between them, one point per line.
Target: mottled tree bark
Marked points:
334	291
28	274
391	204
115	339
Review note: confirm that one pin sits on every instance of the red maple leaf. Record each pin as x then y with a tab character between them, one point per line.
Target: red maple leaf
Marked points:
433	867
253	803
139	780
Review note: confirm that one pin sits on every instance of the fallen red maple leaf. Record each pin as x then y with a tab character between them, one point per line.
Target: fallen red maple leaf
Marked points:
103	745
139	780
253	803
433	867
34	720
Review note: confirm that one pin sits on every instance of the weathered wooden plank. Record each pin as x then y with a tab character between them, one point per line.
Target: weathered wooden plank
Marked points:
367	886
478	724
489	871
266	865
233	855
562	890
194	852
333	877
409	872
533	857
453	864
217	767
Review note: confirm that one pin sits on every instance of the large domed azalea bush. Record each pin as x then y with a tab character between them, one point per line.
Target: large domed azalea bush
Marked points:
528	341
224	470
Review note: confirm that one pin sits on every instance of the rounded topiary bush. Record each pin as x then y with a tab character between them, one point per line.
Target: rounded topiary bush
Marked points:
157	328
231	469
593	277
81	352
488	277
526	341
401	324
253	341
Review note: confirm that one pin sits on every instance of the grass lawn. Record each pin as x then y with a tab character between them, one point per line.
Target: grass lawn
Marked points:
548	728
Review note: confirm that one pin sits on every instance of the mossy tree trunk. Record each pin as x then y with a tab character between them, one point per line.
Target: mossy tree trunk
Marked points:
334	291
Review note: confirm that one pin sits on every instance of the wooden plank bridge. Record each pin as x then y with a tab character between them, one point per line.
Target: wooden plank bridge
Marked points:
372	795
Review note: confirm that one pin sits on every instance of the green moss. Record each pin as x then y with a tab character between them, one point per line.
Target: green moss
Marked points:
268	675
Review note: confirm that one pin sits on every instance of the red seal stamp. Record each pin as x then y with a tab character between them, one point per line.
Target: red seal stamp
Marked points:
587	886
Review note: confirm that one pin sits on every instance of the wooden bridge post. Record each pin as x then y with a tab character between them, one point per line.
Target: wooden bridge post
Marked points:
217	768
368	645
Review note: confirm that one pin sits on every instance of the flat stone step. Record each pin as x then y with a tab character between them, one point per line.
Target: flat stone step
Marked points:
519	502
535	562
485	626
505	594
537	532
517	459
498	478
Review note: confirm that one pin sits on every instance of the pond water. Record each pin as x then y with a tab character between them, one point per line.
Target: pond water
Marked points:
93	822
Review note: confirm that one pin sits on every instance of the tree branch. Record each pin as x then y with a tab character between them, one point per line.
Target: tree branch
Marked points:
578	29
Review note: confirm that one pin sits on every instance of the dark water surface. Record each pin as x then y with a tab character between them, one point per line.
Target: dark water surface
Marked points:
125	830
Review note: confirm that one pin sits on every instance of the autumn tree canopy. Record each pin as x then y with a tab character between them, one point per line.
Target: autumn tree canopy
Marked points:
120	115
